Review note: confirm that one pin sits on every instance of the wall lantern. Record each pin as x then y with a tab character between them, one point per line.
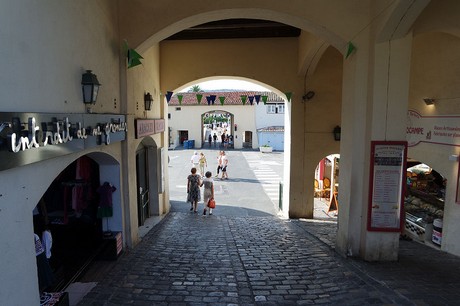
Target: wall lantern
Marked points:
428	101
90	86
337	131
148	100
308	96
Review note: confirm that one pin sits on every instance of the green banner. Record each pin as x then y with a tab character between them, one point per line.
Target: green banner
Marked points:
264	99
179	97
350	49
222	99
243	99
288	96
199	97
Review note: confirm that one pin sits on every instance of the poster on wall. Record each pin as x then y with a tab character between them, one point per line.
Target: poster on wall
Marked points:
386	185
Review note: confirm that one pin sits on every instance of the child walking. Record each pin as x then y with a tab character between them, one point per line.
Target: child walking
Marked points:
208	192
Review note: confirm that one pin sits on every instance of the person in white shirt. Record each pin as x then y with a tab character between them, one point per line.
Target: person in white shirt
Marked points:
195	160
224	163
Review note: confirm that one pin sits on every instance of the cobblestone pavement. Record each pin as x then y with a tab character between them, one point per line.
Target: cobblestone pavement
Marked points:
245	255
189	259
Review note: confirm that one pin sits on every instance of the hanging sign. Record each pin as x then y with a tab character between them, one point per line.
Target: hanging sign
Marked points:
386	185
443	130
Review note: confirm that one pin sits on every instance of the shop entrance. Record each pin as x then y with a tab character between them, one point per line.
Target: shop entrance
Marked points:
148	163
183	135
143	196
247	141
69	212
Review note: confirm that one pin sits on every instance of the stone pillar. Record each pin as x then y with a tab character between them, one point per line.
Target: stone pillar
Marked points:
295	152
374	107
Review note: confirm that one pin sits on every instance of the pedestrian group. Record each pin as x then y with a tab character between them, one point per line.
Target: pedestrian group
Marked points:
195	181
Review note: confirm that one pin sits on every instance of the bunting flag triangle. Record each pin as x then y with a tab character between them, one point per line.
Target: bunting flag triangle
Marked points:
222	99
264	99
134	58
350	49
257	99
180	99
168	96
199	97
213	99
243	99
251	100
208	98
288	96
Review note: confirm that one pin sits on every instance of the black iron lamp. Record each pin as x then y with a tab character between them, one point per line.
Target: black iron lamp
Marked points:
90	86
148	100
428	101
308	96
337	131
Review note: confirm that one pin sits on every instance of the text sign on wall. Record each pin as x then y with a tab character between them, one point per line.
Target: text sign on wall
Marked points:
26	138
386	185
146	127
443	130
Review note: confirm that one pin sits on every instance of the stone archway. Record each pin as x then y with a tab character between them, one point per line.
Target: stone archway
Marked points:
219	123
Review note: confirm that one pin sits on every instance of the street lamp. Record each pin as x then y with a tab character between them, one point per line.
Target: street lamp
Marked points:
90	87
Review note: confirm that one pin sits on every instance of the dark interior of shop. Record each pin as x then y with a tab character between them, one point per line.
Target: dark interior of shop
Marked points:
69	209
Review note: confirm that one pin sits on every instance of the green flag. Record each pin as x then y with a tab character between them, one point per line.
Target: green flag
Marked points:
264	99
134	58
179	97
288	96
199	97
350	49
243	99
222	100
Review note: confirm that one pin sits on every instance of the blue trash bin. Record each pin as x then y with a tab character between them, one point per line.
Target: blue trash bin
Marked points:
191	144
186	144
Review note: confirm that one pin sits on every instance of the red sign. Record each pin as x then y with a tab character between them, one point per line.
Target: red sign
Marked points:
387	185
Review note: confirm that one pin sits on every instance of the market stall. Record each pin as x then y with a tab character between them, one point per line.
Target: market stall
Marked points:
424	204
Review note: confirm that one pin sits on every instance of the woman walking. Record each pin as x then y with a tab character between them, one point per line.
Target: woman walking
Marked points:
219	163
203	163
193	189
208	192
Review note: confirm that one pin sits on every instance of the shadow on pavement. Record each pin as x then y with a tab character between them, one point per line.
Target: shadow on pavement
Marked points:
220	210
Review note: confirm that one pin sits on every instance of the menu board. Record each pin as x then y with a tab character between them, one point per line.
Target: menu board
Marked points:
387	185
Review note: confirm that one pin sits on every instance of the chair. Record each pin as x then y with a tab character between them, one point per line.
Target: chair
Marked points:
318	191
326	188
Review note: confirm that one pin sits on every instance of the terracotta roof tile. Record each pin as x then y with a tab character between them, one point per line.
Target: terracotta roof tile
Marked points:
231	97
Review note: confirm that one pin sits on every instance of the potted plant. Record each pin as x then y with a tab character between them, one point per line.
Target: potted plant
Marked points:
266	148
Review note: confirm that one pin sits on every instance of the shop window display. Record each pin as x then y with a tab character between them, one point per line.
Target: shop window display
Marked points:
424	203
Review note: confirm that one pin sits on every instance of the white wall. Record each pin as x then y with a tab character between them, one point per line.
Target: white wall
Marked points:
264	119
189	118
47	46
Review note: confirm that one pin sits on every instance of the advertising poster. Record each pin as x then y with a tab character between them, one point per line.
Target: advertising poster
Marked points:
387	185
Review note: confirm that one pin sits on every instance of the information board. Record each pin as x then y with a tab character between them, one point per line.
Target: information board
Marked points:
387	185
